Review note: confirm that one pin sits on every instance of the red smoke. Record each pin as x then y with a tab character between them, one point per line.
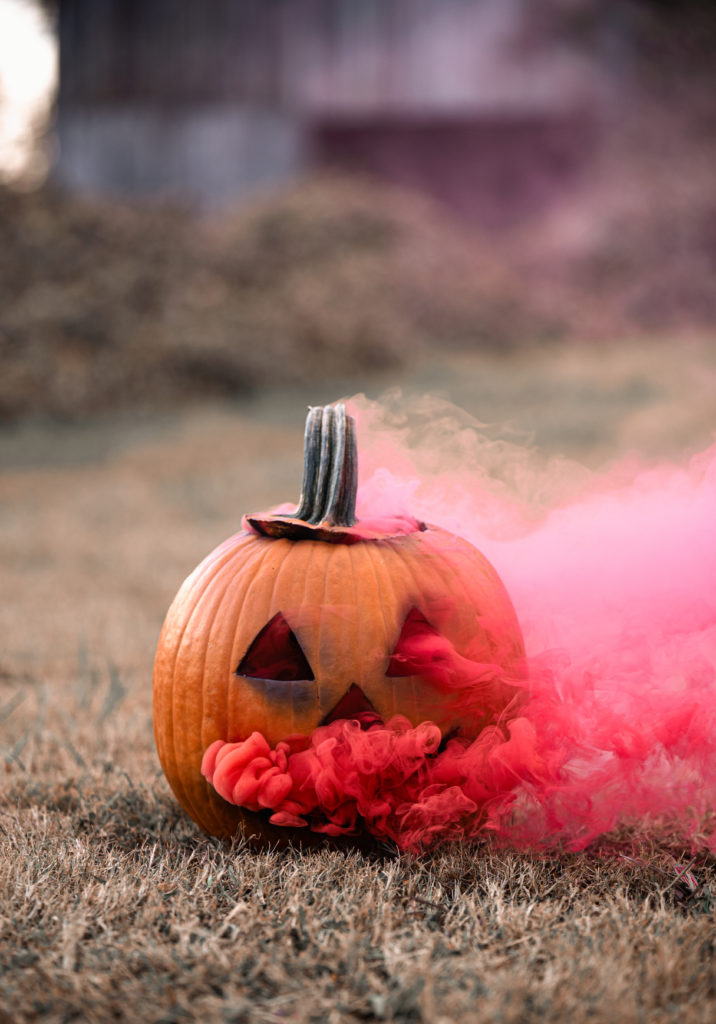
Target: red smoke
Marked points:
389	779
614	583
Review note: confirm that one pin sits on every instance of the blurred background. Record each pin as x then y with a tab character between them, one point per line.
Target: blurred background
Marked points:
512	202
213	214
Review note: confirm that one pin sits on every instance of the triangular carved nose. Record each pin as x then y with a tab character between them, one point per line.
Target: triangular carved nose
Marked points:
353	704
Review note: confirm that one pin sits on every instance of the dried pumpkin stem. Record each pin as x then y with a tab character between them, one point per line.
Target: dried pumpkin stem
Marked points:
330	468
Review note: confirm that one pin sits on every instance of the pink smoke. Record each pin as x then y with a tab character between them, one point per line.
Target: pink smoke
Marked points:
613	577
391	779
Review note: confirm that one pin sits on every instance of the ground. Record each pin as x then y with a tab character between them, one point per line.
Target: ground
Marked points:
115	907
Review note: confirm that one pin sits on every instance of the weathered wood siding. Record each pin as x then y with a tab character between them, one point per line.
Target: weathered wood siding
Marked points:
213	98
309	55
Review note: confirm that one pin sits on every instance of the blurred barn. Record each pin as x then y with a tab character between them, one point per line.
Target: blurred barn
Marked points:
468	100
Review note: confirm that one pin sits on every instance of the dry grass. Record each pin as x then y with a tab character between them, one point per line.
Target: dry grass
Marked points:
114	907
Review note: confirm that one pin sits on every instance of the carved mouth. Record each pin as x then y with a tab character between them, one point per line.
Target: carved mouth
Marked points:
365	776
355	705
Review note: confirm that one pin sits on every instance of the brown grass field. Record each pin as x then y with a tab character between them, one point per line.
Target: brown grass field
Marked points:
113	906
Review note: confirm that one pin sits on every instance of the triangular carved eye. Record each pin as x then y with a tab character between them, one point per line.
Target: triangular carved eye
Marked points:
414	646
276	654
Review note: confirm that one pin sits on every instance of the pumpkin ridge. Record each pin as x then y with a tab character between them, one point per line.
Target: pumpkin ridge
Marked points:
251	566
258	594
168	688
496	586
328	622
165	692
449	583
492	575
377	553
305	554
355	571
309	559
420	590
226	576
225	624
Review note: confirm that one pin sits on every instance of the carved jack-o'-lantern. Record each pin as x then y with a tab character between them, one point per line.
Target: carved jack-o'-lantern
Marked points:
303	619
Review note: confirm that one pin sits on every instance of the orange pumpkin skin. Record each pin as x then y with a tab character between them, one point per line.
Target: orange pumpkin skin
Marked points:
346	604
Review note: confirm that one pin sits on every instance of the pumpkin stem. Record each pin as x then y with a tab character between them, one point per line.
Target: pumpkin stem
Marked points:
327	506
330	468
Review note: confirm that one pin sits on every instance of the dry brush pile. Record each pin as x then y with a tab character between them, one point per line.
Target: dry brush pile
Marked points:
106	306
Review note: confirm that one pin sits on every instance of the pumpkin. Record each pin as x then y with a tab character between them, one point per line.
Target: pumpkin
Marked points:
304	618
